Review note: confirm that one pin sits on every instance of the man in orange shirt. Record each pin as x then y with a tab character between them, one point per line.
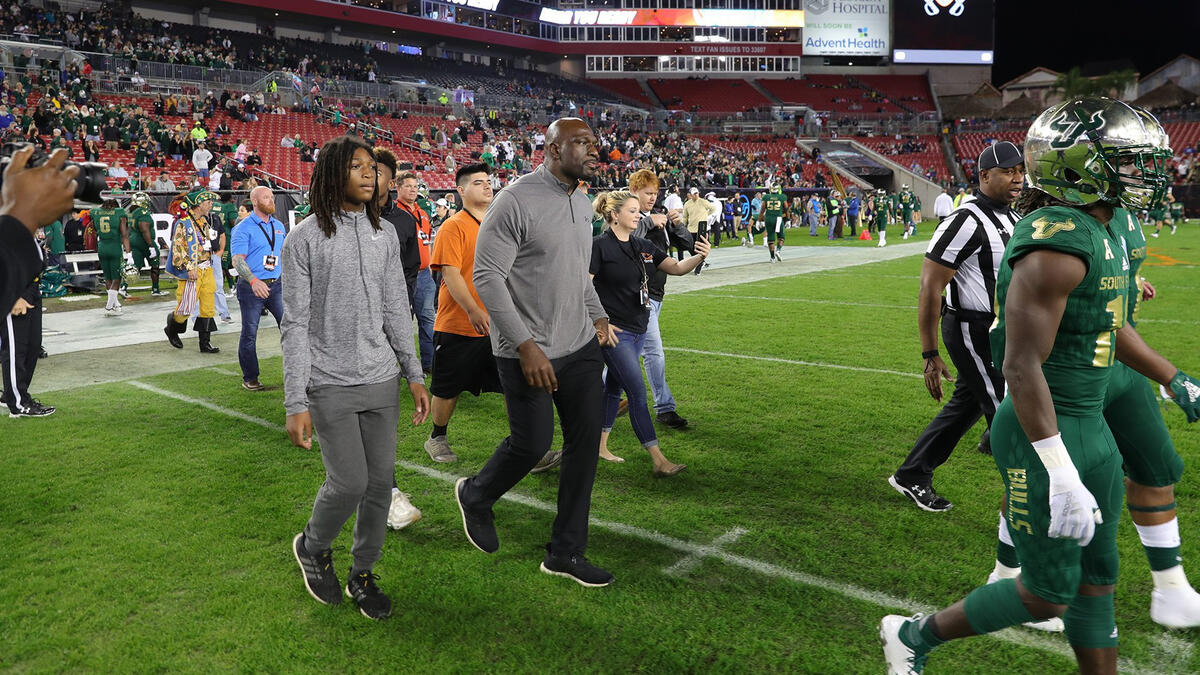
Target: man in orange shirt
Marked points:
463	358
423	299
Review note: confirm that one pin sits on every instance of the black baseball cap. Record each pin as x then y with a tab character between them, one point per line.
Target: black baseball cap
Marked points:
1004	155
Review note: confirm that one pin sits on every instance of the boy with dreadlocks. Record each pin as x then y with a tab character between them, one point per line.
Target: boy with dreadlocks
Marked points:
190	261
346	325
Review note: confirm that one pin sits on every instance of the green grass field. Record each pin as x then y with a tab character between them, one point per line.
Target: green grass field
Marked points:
149	533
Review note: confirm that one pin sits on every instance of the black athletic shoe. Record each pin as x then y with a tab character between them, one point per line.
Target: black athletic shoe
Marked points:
985	443
370	600
34	409
671	419
923	496
479	524
575	567
319	577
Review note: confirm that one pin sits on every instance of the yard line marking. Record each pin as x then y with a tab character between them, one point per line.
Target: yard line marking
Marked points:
1171	652
1178	321
1011	635
222	371
692	561
794	362
808	300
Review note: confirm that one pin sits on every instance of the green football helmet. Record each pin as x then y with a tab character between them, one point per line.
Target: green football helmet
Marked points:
1162	158
140	200
1095	149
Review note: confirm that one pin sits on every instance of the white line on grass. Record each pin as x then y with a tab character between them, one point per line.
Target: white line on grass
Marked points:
793	362
223	371
1174	653
693	560
1179	321
1010	635
808	300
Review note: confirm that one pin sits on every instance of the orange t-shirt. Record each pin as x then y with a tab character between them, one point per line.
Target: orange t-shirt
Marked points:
455	246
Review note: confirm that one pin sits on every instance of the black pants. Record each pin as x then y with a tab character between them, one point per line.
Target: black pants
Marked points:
20	344
978	389
580	404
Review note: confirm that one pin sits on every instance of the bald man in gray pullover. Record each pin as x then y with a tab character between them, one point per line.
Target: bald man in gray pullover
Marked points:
531	271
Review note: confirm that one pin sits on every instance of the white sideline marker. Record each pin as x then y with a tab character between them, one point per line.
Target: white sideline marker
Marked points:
811	301
692	561
794	362
1015	636
223	371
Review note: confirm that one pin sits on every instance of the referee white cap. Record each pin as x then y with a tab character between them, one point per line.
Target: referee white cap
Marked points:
1004	155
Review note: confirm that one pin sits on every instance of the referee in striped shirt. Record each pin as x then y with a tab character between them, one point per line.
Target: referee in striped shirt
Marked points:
964	253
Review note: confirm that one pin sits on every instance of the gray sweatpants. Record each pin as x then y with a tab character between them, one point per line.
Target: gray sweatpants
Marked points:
357	432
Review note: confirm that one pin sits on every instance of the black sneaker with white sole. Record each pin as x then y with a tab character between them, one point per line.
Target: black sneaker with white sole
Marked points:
671	419
923	496
371	601
577	568
33	409
479	524
319	577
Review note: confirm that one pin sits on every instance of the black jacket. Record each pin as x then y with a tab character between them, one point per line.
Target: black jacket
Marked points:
664	237
410	256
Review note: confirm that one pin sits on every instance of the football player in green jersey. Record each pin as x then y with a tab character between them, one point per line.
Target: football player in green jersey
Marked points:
1061	297
112	242
881	214
772	218
1176	208
905	202
1158	216
142	243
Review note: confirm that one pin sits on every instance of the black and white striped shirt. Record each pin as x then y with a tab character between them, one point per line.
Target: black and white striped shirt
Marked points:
971	241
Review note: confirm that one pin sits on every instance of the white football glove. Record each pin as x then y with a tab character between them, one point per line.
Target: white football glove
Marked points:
153	252
128	258
1074	513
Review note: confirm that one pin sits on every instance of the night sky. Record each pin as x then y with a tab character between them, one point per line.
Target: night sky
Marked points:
1061	34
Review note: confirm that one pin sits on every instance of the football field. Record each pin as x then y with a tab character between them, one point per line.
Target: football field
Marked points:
148	523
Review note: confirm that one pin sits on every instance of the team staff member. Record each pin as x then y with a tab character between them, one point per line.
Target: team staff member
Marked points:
257	249
425	293
546	326
462	356
20	345
347	337
964	253
654	228
620	268
31	199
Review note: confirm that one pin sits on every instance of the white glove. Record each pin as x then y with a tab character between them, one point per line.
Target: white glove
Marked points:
129	258
153	252
1074	513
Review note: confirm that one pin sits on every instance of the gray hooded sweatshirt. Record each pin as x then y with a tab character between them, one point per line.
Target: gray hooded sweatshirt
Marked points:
346	317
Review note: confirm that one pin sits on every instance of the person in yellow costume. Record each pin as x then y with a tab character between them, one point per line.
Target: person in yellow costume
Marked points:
190	261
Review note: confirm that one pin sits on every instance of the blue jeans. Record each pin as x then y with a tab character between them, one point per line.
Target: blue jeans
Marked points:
252	307
624	373
425	295
656	362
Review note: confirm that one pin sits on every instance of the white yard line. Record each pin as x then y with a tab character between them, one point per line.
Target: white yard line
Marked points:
691	561
1016	636
807	300
794	362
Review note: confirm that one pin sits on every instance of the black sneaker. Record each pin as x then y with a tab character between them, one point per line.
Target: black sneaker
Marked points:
575	567
319	577
34	409
985	443
370	600
479	524
672	419
923	496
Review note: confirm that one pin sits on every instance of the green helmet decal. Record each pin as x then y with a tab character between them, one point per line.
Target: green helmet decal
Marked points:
1095	149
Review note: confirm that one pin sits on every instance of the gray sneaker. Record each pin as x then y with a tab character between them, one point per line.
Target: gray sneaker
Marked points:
548	461
439	450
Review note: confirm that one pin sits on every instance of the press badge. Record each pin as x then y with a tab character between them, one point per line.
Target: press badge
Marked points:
269	262
644	296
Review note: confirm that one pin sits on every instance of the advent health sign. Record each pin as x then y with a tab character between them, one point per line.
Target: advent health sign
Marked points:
846	27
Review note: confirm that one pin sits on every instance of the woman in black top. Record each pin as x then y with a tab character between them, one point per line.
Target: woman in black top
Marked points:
621	268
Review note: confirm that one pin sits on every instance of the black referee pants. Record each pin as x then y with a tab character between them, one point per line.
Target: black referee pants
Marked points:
978	390
20	345
580	403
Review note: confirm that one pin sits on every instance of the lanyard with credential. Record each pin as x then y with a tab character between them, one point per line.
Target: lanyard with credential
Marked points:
644	291
270	237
